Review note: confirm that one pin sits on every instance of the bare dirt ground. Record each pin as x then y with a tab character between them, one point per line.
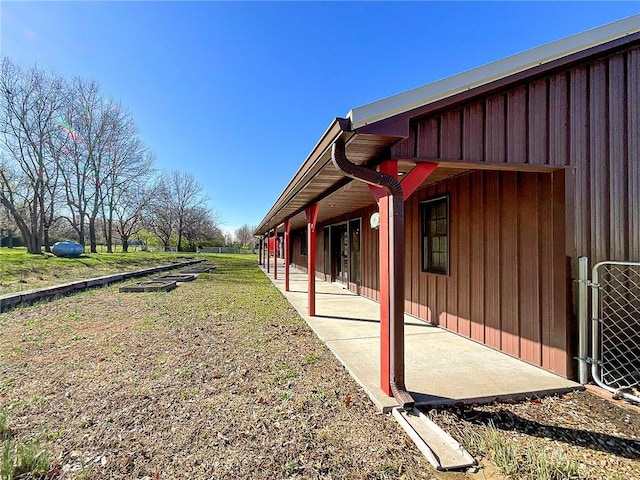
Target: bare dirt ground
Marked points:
221	378
603	438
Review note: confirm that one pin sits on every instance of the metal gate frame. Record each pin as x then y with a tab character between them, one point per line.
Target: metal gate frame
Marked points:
598	327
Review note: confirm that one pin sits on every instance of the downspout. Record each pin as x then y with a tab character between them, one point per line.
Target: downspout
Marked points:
396	267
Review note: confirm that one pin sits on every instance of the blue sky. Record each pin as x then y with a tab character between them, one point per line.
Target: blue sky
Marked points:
239	93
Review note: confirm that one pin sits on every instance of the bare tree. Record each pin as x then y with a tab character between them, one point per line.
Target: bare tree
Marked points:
91	121
159	215
128	165
129	209
74	165
185	195
30	104
200	225
68	153
244	234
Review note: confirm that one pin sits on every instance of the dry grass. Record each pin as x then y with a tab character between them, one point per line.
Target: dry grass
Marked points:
219	378
571	436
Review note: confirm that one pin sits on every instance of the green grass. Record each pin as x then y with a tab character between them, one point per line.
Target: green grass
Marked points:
20	270
4	427
514	461
20	458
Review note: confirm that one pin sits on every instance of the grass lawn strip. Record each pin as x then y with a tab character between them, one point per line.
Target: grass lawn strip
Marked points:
20	271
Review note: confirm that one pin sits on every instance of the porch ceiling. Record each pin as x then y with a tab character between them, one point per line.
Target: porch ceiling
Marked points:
318	178
338	195
318	181
353	195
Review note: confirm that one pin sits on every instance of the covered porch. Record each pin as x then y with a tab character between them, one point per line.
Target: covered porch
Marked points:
441	367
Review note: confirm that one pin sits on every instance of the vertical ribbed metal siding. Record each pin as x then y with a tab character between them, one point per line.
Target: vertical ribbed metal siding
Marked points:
503	285
586	118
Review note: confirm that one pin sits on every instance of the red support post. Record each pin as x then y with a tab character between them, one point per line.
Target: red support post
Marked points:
275	252
312	217
390	167
268	260
265	242
287	239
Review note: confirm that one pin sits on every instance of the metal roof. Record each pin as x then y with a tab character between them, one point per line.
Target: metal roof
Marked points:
462	82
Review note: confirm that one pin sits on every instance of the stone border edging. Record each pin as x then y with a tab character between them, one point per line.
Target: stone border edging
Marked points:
12	300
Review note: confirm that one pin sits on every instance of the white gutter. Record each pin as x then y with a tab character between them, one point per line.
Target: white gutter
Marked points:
491	72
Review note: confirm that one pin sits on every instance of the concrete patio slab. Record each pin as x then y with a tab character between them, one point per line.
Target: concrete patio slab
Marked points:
440	366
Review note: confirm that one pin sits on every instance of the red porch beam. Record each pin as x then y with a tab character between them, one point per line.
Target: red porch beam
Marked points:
287	239
275	252
312	217
415	177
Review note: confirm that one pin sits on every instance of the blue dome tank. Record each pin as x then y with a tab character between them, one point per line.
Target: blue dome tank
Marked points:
68	248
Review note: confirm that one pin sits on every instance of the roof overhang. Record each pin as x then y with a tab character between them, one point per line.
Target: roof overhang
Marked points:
317	177
371	130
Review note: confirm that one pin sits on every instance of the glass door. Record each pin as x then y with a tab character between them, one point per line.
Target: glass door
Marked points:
340	253
344	255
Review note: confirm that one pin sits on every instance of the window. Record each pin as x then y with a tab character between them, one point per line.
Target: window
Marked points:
303	242
435	235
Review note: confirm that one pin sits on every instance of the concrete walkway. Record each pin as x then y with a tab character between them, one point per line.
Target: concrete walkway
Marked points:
440	366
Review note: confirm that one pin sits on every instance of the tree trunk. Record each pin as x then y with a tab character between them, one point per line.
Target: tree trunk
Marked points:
27	236
47	242
180	235
80	229
108	236
33	245
92	235
125	245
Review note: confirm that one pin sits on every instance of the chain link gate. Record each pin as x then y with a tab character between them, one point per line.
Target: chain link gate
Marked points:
615	327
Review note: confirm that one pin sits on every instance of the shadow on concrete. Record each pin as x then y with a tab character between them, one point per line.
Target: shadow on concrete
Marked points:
348	319
369	320
346	293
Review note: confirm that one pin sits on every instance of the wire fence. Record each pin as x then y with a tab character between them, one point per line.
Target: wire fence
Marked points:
615	327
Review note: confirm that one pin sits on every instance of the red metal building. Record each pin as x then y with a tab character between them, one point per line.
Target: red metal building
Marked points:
467	202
